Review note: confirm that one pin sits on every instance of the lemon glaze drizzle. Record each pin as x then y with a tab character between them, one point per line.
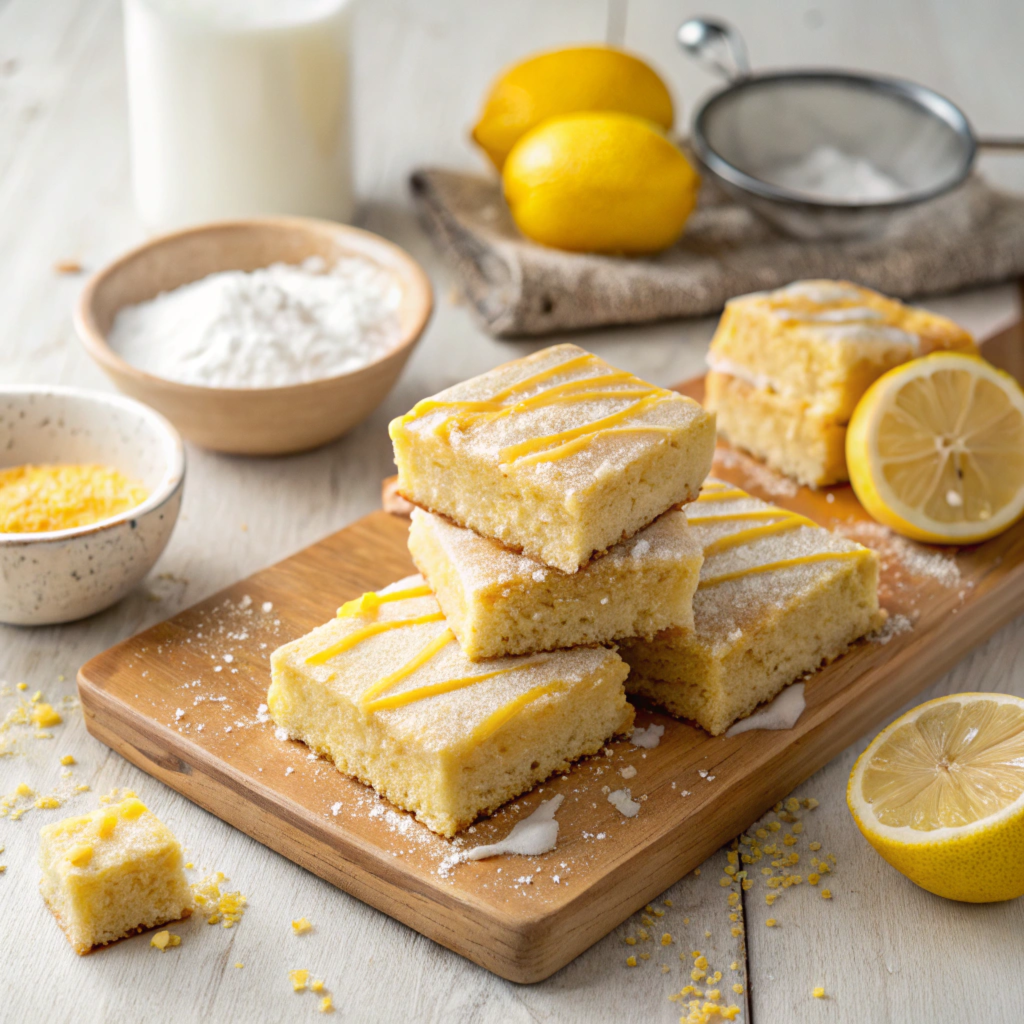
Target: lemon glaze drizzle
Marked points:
574	391
785	563
357	637
721	494
494	721
448	686
418	660
555	442
729	517
371	601
788	521
370	700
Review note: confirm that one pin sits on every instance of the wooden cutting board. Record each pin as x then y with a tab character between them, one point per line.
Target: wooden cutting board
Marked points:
182	702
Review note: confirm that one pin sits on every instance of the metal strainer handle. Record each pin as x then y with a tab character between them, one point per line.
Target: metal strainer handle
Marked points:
717	45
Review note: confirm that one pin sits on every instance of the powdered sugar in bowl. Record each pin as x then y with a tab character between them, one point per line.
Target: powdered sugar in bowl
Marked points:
261	336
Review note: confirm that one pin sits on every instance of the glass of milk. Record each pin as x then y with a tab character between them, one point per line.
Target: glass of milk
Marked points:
239	108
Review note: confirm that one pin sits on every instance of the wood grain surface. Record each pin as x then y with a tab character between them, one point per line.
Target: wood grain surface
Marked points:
181	702
883	949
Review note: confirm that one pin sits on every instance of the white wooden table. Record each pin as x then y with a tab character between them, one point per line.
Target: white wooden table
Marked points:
883	949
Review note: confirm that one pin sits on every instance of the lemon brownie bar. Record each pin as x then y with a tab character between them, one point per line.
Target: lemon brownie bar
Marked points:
111	873
788	367
778	596
557	455
385	691
497	602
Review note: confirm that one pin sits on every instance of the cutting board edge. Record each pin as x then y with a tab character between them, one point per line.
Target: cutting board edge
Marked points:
548	941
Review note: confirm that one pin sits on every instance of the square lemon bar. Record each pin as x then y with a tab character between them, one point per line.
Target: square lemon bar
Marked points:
497	602
788	367
113	872
557	455
778	596
386	692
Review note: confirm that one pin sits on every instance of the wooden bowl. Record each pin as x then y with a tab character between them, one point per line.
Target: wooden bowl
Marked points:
251	421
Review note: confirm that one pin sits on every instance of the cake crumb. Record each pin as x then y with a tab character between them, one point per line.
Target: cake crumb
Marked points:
165	939
301	926
298	979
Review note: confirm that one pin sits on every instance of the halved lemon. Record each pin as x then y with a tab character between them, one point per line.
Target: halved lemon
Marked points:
935	449
940	795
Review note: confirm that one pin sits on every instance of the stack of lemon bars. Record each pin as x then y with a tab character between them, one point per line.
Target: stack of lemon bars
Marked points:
571	551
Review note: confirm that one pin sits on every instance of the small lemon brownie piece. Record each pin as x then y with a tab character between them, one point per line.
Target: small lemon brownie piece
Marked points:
385	691
778	596
111	873
788	368
497	602
557	455
806	445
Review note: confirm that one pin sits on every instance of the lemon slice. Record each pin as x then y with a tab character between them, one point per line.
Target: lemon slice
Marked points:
940	795
935	449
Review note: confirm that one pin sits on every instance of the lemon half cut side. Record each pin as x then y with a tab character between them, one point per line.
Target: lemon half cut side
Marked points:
940	795
935	449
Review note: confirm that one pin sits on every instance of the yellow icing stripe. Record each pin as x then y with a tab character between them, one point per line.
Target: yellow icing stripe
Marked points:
721	495
371	601
359	635
542	375
786	563
570	447
535	444
791	521
445	637
572	391
494	721
398	700
729	517
494	403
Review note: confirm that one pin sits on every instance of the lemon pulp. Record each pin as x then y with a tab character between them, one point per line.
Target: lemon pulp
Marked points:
952	766
940	795
936	449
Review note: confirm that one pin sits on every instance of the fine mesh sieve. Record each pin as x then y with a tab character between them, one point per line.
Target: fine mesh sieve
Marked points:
763	137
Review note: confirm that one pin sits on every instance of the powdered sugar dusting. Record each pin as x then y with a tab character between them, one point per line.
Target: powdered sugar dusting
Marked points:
913	558
755	474
277	325
894	625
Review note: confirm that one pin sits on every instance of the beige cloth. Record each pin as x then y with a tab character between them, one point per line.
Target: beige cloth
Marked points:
972	236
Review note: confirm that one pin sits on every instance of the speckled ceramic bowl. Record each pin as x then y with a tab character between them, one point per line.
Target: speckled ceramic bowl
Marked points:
46	578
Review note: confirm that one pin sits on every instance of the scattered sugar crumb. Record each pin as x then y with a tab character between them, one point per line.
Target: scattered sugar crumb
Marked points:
623	802
648	738
628	772
758	475
894	625
915	559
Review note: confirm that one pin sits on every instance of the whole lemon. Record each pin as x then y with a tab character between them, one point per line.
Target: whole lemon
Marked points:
564	82
607	183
